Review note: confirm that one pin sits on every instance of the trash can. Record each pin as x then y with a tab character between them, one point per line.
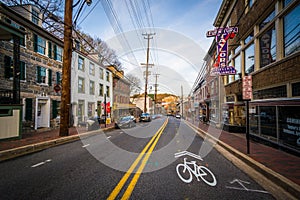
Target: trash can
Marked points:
92	124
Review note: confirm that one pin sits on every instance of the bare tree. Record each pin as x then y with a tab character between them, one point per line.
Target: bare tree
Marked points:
51	13
52	20
135	84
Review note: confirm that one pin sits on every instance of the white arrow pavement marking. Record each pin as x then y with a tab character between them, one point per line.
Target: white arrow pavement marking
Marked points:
85	145
240	182
41	163
183	153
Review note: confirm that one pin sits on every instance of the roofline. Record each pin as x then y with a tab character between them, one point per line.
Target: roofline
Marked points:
6	10
221	13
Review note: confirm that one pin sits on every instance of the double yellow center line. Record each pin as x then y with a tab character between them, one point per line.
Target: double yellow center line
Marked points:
146	152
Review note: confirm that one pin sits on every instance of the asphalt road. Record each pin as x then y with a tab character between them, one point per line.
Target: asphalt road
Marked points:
177	164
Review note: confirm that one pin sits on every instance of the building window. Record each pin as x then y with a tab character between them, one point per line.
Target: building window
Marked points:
249	59
92	87
267	20
41	75
107	91
296	89
80	85
9	69
91	108
58	53
35	17
275	92
237	66
292	31
92	69
267	43
100	89
107	77
249	38
101	73
58	78
248	4
286	2
39	44
80	63
80	111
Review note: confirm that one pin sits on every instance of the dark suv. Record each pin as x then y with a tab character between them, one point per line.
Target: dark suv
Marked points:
145	117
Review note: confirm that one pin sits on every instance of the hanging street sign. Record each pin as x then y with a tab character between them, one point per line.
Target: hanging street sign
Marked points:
222	35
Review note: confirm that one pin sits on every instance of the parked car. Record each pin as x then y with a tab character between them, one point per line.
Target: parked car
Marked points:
126	122
178	116
145	117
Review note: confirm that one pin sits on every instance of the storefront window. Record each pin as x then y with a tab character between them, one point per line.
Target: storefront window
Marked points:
249	59
267	44
289	125
254	121
292	31
239	115
267	117
296	89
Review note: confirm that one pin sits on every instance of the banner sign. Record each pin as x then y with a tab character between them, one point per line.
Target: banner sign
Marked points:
222	35
265	48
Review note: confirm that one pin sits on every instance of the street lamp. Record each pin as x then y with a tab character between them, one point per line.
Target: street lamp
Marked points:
66	72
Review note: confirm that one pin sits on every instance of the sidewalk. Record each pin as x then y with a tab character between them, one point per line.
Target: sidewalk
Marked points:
281	162
34	137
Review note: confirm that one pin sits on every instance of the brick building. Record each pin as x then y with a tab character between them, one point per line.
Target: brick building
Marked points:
267	47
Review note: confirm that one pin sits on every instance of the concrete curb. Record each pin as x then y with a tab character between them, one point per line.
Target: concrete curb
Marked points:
31	148
286	184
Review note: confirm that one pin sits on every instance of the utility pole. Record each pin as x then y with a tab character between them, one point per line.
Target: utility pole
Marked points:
155	93
147	66
66	71
181	101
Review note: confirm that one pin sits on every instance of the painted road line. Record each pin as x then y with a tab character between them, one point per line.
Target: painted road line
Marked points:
85	145
122	182
41	163
137	175
183	153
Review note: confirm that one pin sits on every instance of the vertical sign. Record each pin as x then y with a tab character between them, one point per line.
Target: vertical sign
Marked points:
247	87
222	35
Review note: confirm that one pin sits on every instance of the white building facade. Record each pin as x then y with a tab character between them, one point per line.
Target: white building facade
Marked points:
91	86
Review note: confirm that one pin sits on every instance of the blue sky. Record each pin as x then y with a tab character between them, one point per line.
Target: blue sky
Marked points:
189	20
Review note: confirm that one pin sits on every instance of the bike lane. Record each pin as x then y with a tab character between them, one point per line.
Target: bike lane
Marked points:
190	175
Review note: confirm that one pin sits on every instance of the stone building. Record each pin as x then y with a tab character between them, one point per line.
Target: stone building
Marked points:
40	66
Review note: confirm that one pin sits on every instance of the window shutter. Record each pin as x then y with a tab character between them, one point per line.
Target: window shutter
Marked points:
38	70
49	49
22	70
58	78
28	109
49	77
54	109
35	42
8	71
55	52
